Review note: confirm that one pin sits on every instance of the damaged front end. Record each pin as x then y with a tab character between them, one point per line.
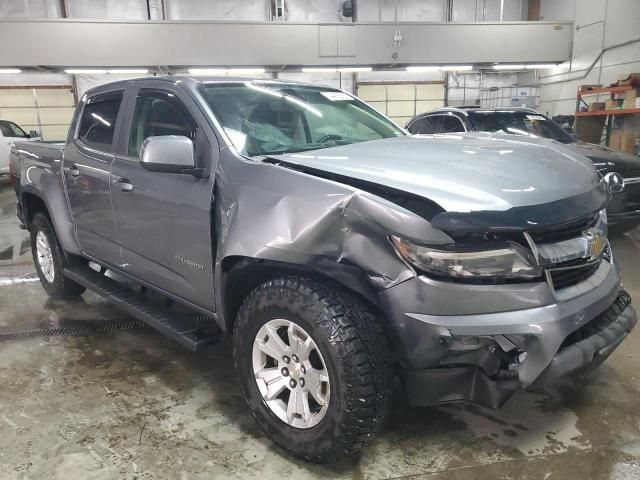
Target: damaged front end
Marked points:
483	270
480	342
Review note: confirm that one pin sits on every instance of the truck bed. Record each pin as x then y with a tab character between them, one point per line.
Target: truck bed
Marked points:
41	154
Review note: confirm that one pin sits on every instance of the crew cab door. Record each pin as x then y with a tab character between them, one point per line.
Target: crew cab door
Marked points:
86	165
164	219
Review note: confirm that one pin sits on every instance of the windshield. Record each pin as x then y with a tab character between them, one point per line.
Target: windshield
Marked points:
519	123
267	118
10	129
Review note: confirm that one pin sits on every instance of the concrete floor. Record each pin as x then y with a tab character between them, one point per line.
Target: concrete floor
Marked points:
133	404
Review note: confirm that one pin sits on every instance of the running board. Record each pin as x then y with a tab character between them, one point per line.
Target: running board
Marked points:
188	330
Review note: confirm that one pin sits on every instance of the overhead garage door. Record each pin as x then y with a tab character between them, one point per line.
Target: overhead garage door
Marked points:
402	100
45	109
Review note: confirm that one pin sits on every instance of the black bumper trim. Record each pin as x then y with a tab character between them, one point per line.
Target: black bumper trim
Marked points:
594	349
585	348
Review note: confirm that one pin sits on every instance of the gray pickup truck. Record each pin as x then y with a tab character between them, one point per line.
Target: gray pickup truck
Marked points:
350	261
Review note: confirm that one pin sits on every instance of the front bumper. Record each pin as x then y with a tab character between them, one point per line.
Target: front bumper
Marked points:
518	335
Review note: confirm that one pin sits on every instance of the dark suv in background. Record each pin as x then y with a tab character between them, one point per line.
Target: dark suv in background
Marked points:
623	209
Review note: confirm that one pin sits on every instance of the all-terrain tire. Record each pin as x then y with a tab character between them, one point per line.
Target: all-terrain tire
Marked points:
349	336
54	283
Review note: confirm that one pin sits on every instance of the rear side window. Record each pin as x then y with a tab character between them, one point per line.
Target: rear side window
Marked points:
10	129
426	125
98	121
158	113
451	124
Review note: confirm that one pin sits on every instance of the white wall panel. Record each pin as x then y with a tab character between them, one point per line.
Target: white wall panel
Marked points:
401	75
623	21
600	24
110	9
314	10
29	9
464	10
556	10
402	100
590	11
401	11
336	80
35	79
47	110
230	10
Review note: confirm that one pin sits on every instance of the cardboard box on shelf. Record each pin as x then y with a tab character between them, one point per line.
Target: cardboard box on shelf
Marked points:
623	141
631	98
613	104
630	79
596	106
588	88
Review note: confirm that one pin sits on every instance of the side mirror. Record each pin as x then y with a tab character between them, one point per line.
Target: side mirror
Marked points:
168	154
34	134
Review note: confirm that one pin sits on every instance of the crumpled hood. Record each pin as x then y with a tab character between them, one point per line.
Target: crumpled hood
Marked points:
460	173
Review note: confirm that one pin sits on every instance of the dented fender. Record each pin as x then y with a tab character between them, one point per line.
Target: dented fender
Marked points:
318	224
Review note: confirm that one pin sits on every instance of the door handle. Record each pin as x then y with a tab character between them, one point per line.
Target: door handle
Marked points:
125	186
74	171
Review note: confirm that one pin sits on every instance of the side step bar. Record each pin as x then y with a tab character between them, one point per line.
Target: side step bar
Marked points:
187	330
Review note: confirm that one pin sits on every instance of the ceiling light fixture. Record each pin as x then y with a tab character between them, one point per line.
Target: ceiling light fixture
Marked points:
456	68
10	70
129	70
508	67
354	69
423	68
207	71
540	66
245	71
440	68
95	71
319	70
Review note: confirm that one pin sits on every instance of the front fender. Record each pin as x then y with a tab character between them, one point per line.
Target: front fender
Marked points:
269	213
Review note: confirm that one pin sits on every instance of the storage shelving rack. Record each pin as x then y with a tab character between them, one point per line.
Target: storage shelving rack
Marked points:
601	118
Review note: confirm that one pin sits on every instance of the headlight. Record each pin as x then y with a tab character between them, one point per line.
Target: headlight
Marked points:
510	262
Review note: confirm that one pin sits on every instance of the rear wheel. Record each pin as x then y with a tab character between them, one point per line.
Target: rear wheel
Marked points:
314	367
50	260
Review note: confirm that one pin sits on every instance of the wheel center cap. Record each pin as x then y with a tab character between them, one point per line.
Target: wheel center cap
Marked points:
295	371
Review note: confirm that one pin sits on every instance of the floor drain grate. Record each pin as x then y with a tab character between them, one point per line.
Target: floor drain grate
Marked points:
103	326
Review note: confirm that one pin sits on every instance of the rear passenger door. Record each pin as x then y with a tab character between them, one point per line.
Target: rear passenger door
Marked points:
86	165
164	219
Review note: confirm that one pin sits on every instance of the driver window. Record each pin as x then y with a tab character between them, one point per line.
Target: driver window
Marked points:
158	113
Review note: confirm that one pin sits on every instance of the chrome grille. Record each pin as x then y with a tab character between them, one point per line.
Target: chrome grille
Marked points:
631	192
626	172
565	231
569	276
570	253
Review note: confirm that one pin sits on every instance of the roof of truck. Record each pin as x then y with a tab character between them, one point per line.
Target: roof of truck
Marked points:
192	81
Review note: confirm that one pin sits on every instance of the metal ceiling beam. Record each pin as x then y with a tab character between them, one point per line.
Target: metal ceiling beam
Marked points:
75	43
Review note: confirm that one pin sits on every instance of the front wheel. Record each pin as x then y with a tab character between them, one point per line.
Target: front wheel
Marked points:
50	260
314	367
